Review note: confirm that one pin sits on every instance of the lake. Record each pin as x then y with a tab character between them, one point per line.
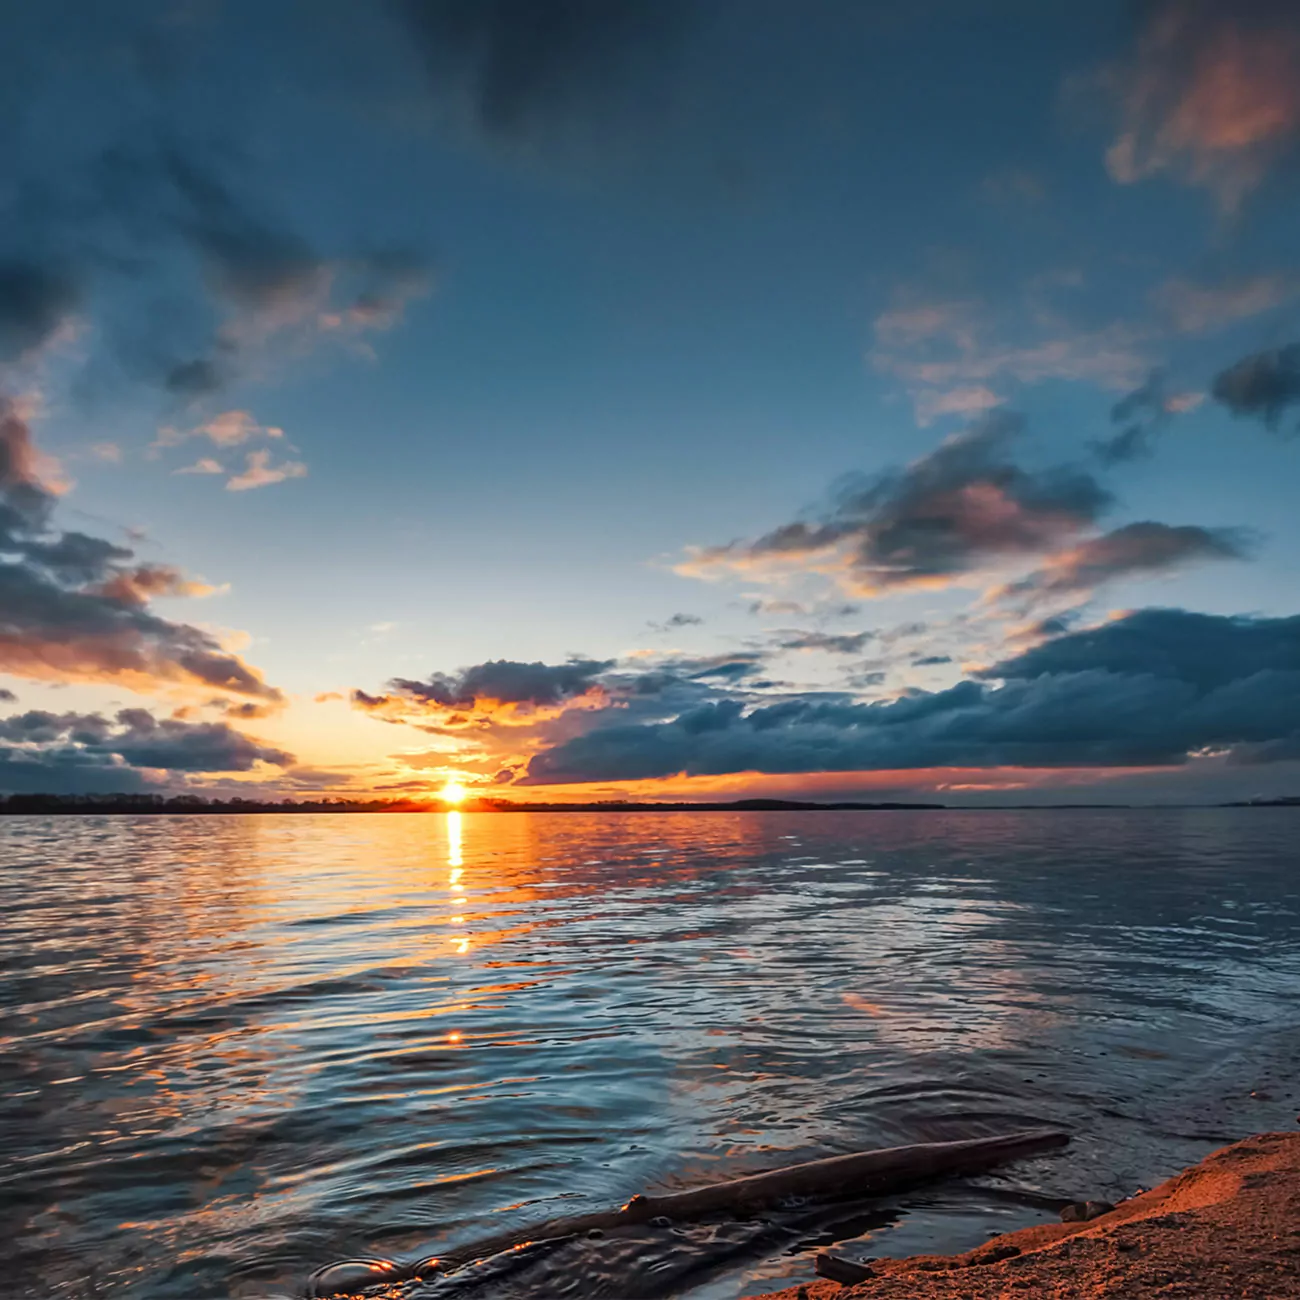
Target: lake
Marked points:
234	1049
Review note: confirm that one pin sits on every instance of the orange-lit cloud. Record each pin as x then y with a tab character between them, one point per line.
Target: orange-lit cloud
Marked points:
259	471
1212	96
74	607
935	523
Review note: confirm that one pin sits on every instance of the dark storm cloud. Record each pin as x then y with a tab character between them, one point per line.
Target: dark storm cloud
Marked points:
1206	650
86	752
931	661
1148	689
74	606
34	302
1262	385
1134	550
519	64
965	504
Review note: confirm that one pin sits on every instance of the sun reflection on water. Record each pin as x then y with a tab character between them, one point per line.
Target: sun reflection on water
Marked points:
455	832
275	1038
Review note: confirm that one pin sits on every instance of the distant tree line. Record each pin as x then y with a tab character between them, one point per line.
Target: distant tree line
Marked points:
54	804
176	804
190	803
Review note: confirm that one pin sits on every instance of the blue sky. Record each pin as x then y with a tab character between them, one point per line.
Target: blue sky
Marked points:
434	334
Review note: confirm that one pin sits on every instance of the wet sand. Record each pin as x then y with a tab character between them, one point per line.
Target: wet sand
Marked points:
1227	1227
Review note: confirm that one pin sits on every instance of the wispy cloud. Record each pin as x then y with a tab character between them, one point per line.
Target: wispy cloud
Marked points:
259	472
1195	308
1141	417
1211	96
960	356
204	465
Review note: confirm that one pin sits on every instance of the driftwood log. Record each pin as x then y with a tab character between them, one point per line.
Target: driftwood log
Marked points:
843	1271
857	1176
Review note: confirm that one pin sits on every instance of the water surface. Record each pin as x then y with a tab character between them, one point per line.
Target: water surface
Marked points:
235	1048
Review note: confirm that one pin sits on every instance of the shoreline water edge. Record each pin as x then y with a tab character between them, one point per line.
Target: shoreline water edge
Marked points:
1228	1226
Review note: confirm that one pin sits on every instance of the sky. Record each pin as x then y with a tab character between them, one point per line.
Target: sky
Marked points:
691	399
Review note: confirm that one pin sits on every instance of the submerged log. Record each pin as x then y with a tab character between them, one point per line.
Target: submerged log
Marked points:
858	1176
862	1174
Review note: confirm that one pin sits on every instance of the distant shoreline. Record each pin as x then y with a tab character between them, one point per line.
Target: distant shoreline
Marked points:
157	805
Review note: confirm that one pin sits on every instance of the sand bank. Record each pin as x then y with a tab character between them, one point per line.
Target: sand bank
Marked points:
1227	1227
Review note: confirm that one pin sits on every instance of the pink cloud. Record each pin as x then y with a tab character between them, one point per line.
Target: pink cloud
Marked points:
1211	97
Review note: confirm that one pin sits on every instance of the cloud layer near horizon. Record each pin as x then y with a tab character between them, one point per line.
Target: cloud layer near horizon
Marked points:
87	753
1153	688
1150	689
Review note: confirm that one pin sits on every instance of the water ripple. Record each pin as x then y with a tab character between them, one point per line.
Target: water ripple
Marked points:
233	1049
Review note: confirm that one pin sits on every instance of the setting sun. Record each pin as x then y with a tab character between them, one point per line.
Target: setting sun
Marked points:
453	792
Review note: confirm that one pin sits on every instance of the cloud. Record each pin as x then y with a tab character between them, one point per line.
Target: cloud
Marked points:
1135	550
1261	385
1201	308
138	224
75	607
1211	97
144	582
269	284
847	643
204	465
953	353
971	400
228	429
778	608
518	67
259	472
505	681
1207	651
1142	415
1152	688
500	691
35	303
66	752
676	621
950	513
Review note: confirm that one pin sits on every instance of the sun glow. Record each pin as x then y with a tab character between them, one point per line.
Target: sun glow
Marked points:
453	792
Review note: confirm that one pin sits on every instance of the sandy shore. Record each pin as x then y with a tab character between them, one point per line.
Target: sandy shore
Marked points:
1227	1228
